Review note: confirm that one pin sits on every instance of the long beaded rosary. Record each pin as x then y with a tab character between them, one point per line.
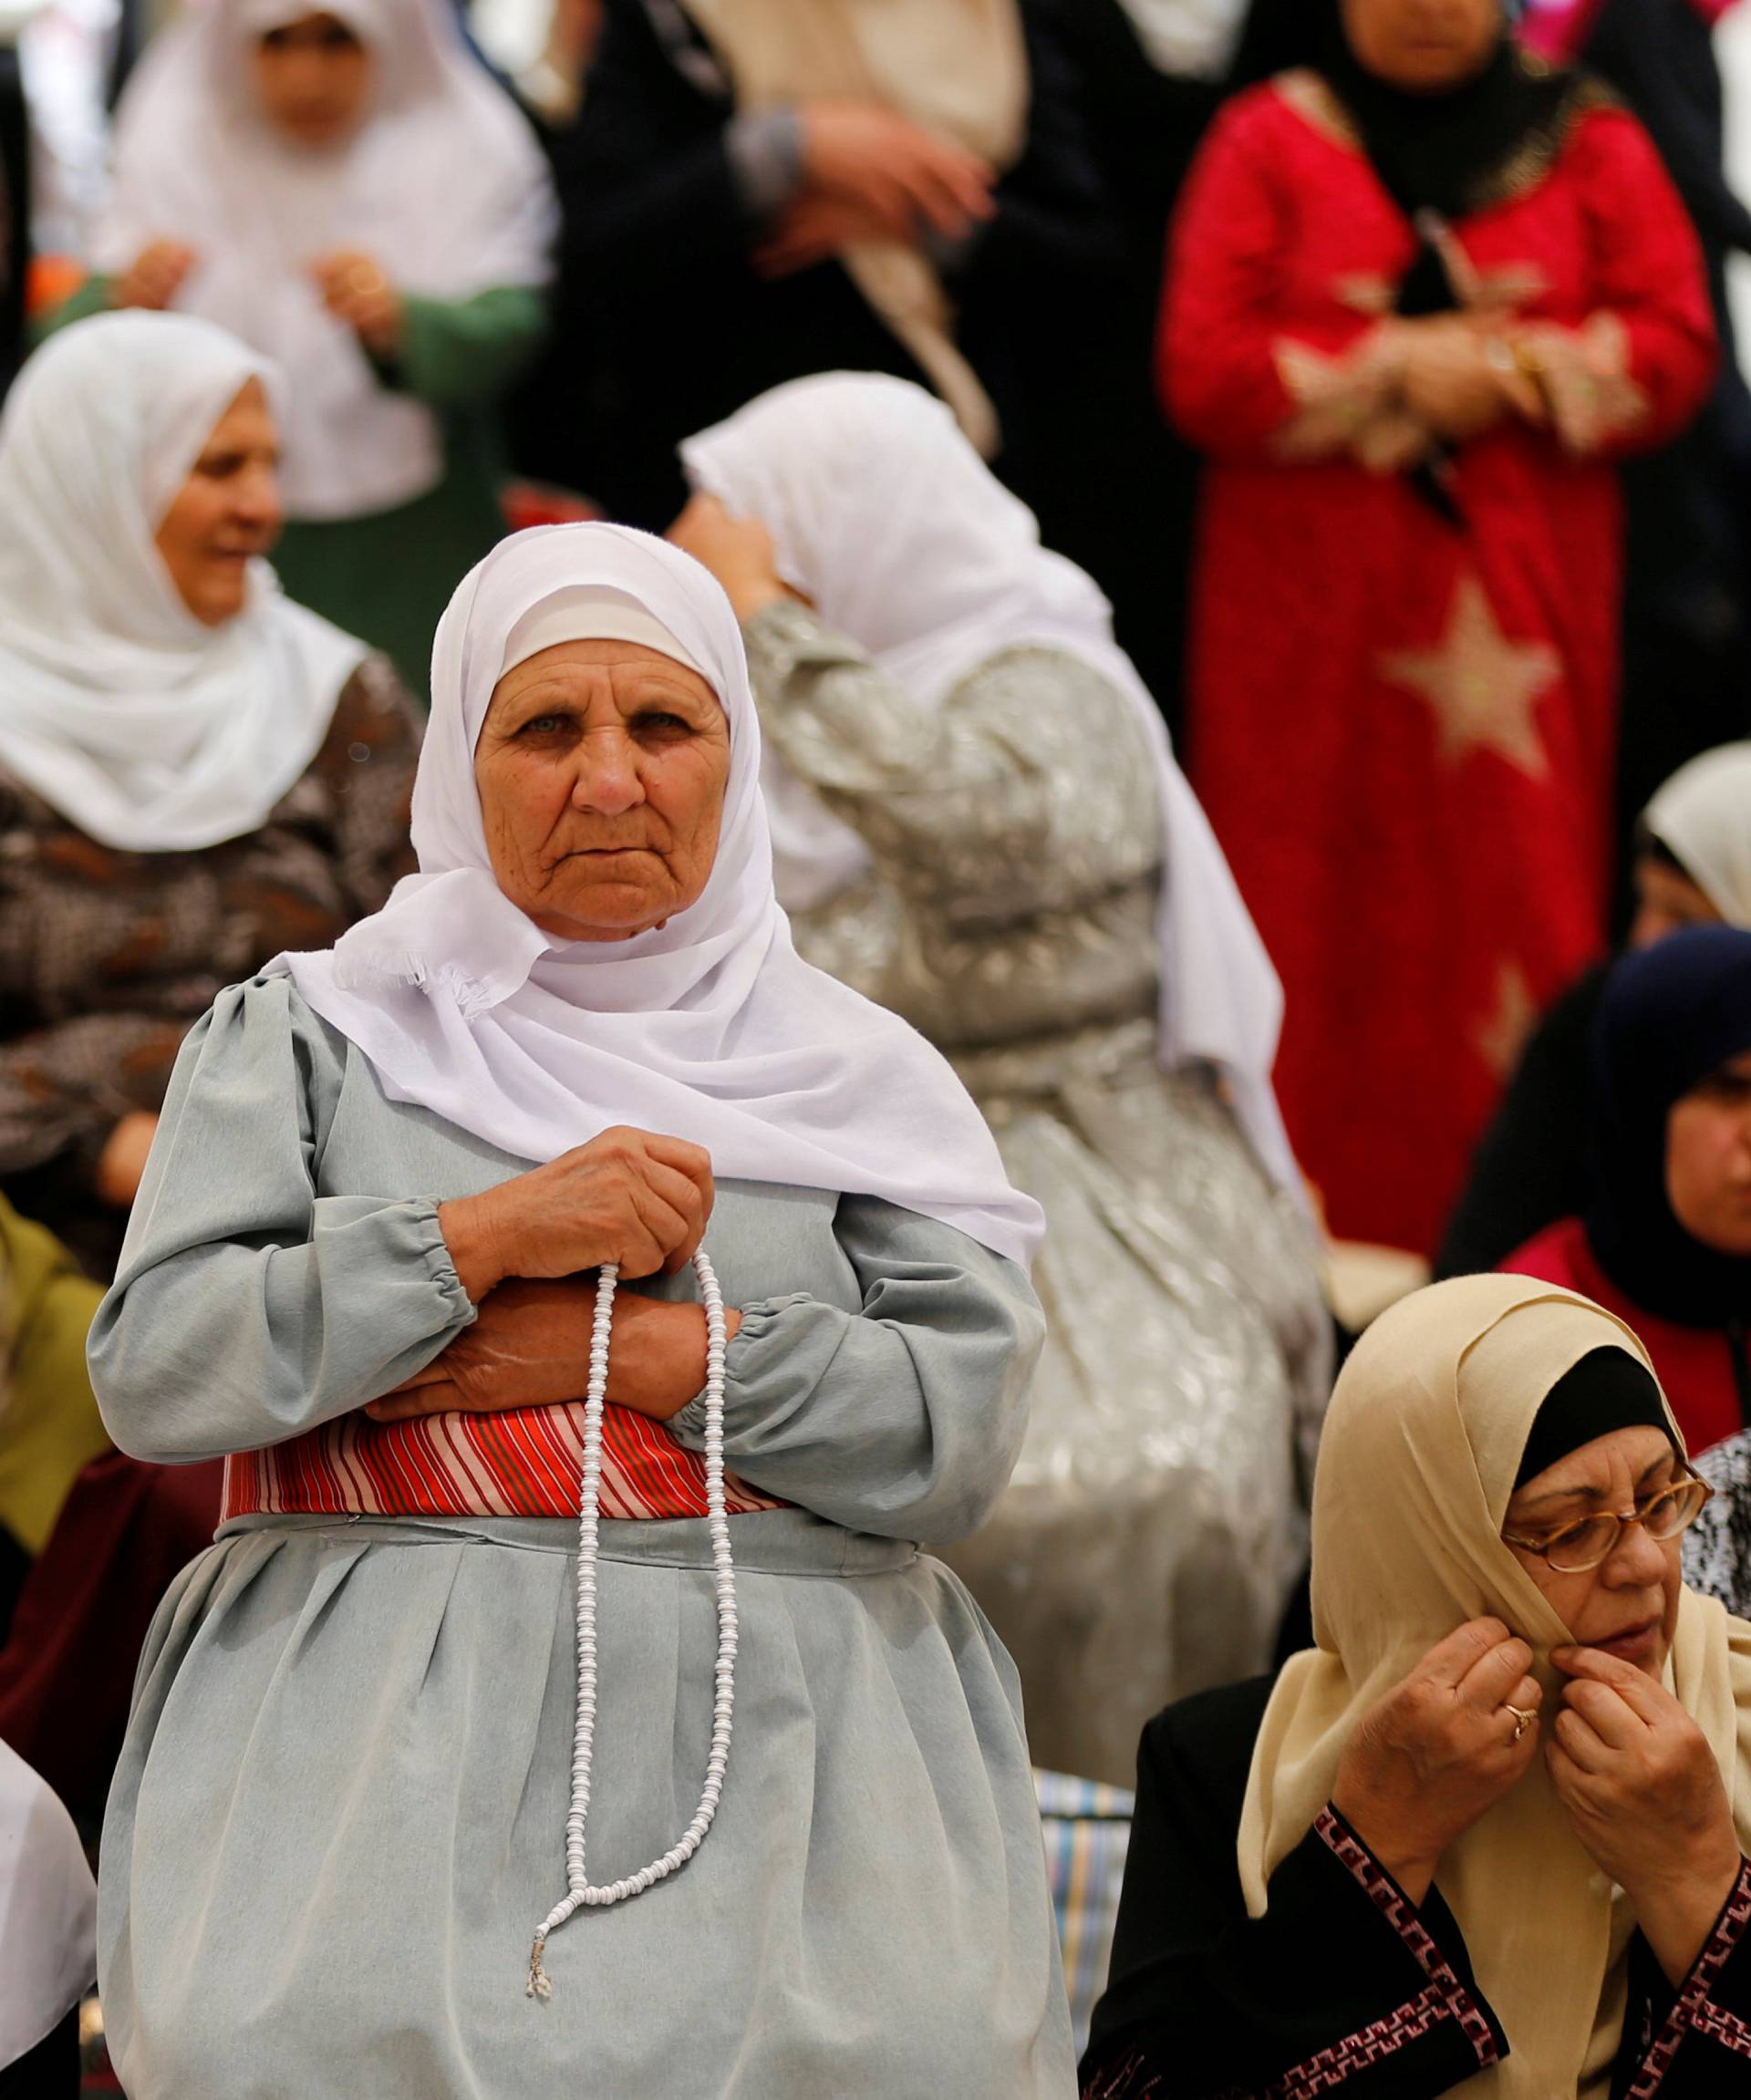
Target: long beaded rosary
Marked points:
580	1892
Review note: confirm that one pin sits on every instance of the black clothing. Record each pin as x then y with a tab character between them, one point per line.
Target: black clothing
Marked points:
48	2072
1342	1985
1534	1166
1686	649
1607	1390
662	325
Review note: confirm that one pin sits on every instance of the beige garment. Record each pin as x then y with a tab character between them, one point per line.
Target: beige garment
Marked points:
1421	1443
958	68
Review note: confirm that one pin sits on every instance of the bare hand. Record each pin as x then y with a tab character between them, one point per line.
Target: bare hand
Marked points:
626	1197
816	228
358	293
1439	1751
122	1160
1645	1796
1447	378
530	1347
899	174
737	551
155	276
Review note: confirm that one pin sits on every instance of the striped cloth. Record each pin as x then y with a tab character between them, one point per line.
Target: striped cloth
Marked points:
1087	1830
523	1462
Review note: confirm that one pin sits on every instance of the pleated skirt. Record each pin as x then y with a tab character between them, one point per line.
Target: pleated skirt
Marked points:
340	1813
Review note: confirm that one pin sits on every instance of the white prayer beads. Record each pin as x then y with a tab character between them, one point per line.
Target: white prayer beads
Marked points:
581	1893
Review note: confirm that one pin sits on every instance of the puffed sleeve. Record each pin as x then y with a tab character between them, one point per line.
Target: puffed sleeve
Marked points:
247	1308
904	1418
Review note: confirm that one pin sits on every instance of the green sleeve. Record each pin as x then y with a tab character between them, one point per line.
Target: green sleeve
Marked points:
92	297
468	350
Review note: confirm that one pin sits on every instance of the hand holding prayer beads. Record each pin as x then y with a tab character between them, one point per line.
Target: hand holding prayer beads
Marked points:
1440	1750
629	1197
356	291
580	1891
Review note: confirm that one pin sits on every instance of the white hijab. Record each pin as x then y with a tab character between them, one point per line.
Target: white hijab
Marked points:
1703	818
48	1911
884	517
710	1027
149	730
443	186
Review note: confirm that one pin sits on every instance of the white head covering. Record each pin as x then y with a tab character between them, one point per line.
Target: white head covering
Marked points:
48	1911
1194	38
710	1027
148	729
1703	818
443	186
882	514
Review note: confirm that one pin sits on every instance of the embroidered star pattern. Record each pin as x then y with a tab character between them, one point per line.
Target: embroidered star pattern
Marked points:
1483	687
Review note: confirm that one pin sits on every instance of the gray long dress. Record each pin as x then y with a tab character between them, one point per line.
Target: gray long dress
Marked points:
339	1814
1147	1542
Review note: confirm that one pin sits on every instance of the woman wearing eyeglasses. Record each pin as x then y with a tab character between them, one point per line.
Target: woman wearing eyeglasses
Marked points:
1487	1837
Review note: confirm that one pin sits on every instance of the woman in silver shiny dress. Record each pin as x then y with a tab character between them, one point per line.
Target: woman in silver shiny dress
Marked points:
978	822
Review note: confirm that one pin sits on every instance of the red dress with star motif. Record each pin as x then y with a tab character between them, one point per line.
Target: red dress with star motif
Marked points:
1403	729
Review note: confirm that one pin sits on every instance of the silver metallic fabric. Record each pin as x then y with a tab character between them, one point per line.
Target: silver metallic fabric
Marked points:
1156	1519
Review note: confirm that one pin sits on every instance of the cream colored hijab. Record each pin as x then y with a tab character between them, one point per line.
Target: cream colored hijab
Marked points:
1421	1447
958	68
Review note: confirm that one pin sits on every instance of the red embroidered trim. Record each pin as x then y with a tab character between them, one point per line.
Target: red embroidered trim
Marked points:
1393	1905
1693	2013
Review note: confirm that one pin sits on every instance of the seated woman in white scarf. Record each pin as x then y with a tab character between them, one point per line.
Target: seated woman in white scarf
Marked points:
347	189
977	821
580	1036
195	772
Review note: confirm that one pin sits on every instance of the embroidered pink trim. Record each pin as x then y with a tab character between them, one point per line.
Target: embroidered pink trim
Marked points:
1695	2013
1390	1901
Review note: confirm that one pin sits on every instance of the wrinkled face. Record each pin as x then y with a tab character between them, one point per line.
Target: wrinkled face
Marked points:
1628	1605
602	768
1424	46
1666	900
313	80
1708	1159
226	513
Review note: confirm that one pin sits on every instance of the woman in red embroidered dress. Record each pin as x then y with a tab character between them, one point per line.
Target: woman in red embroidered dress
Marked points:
1421	299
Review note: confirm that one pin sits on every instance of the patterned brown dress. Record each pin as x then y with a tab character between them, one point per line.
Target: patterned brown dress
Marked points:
107	956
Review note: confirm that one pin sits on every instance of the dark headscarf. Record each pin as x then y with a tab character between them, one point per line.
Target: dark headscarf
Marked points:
1671	1015
1450	153
1607	1390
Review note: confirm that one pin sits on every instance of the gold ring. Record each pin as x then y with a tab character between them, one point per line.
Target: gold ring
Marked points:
1523	1717
364	277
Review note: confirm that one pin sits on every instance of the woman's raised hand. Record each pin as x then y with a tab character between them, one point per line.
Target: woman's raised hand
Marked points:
1439	1751
1644	1795
628	1196
154	277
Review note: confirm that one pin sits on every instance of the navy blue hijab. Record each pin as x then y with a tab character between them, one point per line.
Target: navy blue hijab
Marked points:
1671	1015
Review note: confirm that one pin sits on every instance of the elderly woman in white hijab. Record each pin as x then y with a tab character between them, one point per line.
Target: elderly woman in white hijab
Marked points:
1487	1837
977	821
195	772
347	189
409	1699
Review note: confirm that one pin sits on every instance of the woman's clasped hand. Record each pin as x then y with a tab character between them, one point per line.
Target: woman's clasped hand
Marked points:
629	1197
1644	1795
1439	1750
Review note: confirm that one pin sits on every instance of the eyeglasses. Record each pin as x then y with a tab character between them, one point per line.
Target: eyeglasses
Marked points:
1579	1546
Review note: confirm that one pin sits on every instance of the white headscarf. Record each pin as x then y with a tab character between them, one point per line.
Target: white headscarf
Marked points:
48	1911
1703	818
1196	39
884	517
443	186
148	729
710	1027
